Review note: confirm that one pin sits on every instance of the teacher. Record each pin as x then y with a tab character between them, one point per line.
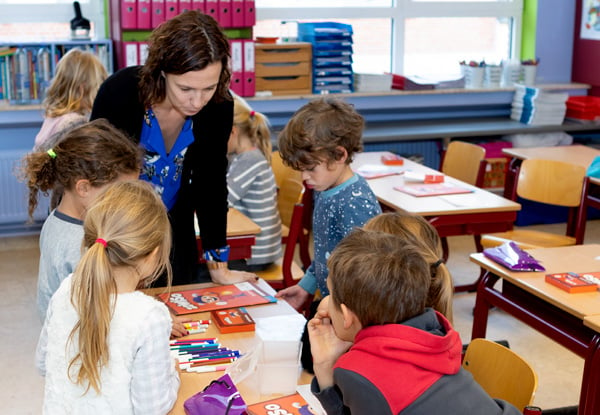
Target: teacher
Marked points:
177	106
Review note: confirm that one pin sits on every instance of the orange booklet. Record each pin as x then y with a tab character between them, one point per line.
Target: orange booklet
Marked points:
286	405
432	189
215	298
232	320
574	283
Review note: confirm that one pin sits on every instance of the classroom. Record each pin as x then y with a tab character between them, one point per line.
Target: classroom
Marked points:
457	101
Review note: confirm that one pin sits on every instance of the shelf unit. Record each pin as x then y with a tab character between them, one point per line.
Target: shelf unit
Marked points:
38	76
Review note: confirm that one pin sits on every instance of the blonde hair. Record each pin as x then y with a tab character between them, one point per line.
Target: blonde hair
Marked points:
422	234
133	221
78	76
253	125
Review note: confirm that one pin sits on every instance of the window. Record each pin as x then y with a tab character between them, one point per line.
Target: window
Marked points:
411	37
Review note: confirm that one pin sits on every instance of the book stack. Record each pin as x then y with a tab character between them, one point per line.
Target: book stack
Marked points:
364	82
537	107
331	55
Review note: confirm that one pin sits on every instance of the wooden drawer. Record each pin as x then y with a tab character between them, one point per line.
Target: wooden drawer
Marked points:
282	68
274	84
284	52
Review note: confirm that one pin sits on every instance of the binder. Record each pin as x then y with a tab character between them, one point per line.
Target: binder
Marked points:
249	13
249	74
237	66
158	12
199	5
130	53
184	6
143	16
142	52
237	13
171	9
224	13
129	14
211	7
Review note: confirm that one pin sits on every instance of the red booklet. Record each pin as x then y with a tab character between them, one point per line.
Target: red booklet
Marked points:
432	189
285	405
215	298
574	283
232	320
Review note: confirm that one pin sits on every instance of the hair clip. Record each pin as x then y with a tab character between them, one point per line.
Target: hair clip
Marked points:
51	153
437	263
102	242
252	113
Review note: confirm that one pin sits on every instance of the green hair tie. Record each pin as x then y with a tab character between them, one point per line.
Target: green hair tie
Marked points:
51	153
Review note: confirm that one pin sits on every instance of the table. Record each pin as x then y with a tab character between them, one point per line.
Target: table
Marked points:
191	383
563	317
473	213
241	235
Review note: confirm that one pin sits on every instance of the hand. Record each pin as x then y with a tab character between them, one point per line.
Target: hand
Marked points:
295	295
325	346
225	276
178	329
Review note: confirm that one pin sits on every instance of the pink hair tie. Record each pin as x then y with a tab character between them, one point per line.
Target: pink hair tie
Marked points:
101	241
252	113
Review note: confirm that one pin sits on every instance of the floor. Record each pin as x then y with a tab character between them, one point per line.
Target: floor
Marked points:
21	388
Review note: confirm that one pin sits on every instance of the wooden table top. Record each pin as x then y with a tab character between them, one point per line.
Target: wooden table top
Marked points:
479	201
576	258
593	322
192	383
575	154
239	224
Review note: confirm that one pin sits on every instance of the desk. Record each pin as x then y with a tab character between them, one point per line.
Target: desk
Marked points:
473	213
241	235
191	383
548	309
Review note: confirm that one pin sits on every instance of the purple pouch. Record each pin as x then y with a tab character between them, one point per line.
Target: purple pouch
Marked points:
512	257
220	397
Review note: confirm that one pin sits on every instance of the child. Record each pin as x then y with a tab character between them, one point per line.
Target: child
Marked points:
251	183
70	97
104	347
320	140
418	231
377	349
88	158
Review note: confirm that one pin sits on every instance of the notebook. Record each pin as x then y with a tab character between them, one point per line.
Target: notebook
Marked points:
432	189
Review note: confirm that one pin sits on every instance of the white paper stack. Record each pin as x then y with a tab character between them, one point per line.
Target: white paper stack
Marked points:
537	107
364	82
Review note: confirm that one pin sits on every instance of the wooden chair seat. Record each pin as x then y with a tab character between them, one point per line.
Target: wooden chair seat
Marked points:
274	273
527	239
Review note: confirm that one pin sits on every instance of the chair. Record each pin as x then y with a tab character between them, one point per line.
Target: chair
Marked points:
501	372
291	199
550	182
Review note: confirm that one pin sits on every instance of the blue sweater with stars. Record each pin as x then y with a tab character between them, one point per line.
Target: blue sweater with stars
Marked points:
336	212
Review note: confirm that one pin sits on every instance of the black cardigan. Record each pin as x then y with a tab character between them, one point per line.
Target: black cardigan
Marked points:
203	183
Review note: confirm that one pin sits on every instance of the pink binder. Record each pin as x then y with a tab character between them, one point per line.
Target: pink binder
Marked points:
224	13
171	9
130	54
249	13
129	14
158	12
211	7
237	66
249	75
143	17
185	5
237	13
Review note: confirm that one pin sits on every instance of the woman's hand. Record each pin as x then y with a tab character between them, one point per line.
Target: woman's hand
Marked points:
295	295
225	276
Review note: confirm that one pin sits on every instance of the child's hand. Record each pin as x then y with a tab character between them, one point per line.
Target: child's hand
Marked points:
295	295
225	276
178	329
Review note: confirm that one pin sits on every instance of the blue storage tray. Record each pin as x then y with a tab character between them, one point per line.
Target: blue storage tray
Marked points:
325	30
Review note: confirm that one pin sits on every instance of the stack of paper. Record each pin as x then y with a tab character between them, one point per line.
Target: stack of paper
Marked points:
534	106
364	82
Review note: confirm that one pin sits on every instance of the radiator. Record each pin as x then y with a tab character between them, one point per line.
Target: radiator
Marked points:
427	150
14	198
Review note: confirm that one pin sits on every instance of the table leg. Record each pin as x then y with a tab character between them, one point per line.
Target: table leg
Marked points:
482	305
590	384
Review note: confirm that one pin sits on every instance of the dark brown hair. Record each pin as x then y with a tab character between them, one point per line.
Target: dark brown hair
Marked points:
380	277
316	132
95	151
188	42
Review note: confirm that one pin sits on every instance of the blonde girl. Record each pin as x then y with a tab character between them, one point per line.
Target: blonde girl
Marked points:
251	183
86	160
422	234
104	347
71	94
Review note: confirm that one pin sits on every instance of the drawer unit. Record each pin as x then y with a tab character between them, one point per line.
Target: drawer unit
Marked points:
284	69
